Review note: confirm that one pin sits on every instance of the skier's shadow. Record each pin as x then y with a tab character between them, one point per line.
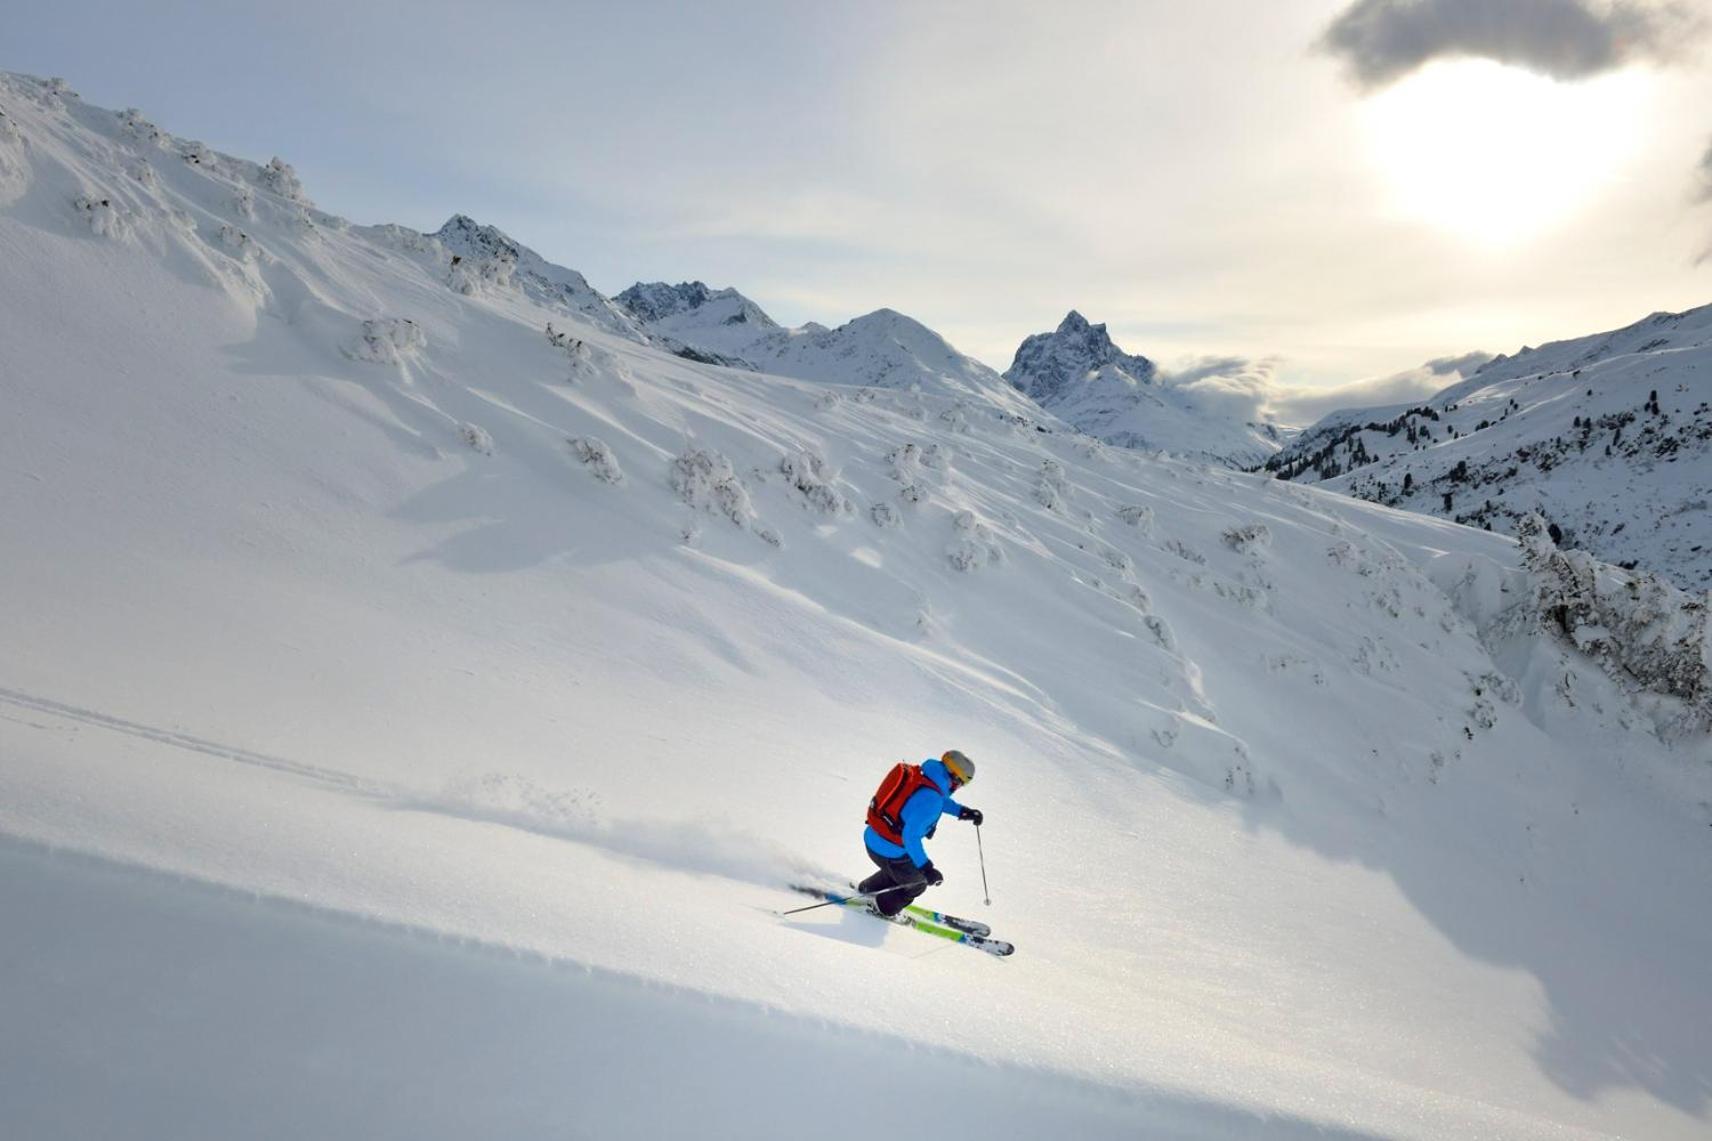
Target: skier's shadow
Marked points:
845	926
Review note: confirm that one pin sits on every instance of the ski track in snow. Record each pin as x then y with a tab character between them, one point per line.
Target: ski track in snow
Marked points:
506	800
180	740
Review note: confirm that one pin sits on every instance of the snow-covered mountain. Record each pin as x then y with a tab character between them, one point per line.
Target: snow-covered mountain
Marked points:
1079	374
1608	437
484	256
690	317
1060	364
883	349
416	690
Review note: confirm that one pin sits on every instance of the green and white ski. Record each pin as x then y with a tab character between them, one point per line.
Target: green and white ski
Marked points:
919	918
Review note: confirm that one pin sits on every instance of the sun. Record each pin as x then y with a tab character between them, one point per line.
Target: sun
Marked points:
1499	155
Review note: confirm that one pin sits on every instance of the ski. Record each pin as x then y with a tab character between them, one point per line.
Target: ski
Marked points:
862	903
956	923
967	926
980	942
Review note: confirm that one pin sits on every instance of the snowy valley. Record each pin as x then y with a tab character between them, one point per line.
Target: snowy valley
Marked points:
422	674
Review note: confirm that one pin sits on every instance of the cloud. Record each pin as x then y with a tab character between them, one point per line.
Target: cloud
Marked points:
1248	389
1303	406
1233	388
1383	40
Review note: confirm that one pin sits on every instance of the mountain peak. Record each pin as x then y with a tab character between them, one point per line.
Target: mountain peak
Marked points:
1078	373
483	256
464	235
885	318
1048	365
654	301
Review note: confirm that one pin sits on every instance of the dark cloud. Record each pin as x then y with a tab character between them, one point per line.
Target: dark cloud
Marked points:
1384	40
1703	194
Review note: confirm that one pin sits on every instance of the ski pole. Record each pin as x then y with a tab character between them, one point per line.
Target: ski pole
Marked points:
847	899
988	896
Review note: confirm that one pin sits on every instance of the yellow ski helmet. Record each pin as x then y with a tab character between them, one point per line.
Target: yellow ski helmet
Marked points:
961	768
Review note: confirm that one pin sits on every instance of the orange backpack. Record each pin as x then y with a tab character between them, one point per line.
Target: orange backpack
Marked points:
885	811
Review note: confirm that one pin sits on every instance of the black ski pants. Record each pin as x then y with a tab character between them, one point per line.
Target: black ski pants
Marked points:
900	873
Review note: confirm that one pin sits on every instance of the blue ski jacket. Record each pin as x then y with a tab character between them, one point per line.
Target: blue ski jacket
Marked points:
921	812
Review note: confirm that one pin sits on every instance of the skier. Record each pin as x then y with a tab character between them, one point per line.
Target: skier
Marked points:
904	812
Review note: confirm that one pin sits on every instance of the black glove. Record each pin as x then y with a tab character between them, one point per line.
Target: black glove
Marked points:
932	875
971	814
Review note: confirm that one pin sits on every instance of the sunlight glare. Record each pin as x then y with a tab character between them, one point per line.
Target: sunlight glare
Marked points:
1501	155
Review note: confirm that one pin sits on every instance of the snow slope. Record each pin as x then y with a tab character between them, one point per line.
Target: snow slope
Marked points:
1608	437
408	715
1078	373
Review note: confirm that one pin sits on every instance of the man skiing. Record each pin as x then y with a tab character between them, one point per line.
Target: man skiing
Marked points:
904	812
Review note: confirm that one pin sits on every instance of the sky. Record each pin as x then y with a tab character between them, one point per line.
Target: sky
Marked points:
1325	194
